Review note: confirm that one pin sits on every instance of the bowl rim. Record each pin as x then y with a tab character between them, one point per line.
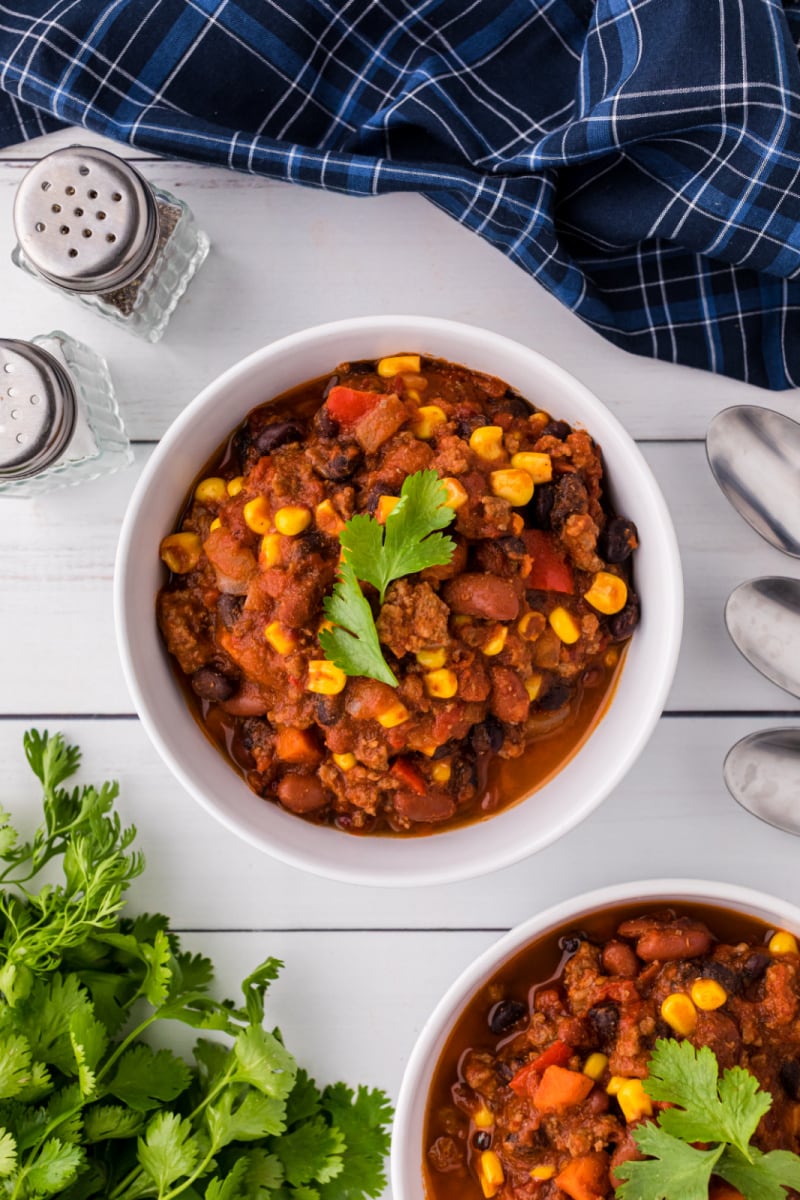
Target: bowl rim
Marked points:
405	1180
411	873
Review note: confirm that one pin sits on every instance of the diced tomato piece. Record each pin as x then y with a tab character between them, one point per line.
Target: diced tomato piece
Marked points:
550	571
410	776
347	405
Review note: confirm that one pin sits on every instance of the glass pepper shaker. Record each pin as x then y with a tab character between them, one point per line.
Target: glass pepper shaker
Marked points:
59	421
88	224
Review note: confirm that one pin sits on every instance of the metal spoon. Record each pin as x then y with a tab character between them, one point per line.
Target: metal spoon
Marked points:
754	454
762	773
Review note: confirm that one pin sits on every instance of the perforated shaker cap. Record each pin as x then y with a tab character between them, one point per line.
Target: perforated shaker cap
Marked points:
86	220
38	409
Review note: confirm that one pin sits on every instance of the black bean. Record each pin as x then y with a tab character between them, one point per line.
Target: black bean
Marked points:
467	424
488	736
570	497
755	966
328	709
230	609
504	1071
482	1140
789	1076
604	1019
513	547
571	942
313	541
332	382
212	683
512	404
537	513
623	623
556	429
362	368
722	975
326	425
343	463
506	1014
272	436
555	697
375	493
618	540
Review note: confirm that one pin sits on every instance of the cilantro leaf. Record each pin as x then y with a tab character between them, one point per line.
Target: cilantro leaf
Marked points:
263	1171
304	1099
353	644
264	1062
105	1121
312	1151
168	1149
762	1178
8	1154
674	1170
244	1119
146	1078
55	1166
711	1110
231	1186
377	554
15	1065
364	1118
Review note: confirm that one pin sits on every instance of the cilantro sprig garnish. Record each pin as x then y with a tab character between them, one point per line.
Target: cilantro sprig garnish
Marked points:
719	1112
87	1107
407	542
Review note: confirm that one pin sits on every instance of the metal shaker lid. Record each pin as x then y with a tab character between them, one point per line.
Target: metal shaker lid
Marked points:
86	220
38	409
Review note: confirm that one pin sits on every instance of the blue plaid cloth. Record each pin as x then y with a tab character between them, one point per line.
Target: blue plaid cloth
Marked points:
639	158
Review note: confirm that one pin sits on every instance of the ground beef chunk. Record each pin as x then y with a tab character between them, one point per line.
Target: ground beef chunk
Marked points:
412	618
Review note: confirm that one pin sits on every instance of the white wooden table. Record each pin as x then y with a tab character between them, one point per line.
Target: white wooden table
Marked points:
364	967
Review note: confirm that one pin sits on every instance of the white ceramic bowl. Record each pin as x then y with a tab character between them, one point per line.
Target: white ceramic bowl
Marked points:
448	855
408	1130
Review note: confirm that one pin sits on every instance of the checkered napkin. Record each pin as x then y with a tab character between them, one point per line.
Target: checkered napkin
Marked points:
639	158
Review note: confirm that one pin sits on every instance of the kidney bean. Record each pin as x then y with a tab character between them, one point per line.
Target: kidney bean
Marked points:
272	436
618	540
428	809
328	709
671	945
598	1101
789	1076
486	596
301	793
509	700
212	683
755	966
623	623
619	959
506	1015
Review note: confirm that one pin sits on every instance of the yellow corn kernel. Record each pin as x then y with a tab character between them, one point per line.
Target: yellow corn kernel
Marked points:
496	642
257	515
345	762
395	714
595	1066
543	1172
431	659
461	619
292	519
533	685
514	486
517	524
487	442
215	524
324	678
386	505
483	1118
441	771
429	418
538	420
211	491
707	994
429	749
783	943
181	552
539	466
530	625
615	1083
280	638
441	685
634	1101
327	518
235	485
413	394
397	364
456	493
608	593
680	1013
326	624
269	554
612	658
564	624
491	1173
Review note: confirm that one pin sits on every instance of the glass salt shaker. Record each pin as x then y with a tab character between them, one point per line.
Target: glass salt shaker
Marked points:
59	421
88	224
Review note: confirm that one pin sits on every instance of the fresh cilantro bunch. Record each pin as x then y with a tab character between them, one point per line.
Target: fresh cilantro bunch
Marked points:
407	542
87	1107
721	1114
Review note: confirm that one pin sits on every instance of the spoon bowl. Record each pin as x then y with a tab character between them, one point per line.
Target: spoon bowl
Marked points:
754	454
763	620
762	773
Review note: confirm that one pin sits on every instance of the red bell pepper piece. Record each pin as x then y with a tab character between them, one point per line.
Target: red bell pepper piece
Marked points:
410	776
550	571
526	1079
346	405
